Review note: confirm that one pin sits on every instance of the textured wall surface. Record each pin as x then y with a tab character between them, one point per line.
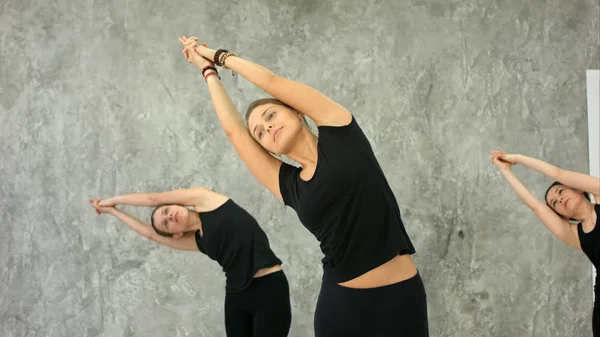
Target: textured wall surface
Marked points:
96	100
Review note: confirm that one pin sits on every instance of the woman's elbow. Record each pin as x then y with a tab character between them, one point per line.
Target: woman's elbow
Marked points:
271	80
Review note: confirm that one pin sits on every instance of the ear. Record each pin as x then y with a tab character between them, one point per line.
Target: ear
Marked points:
177	235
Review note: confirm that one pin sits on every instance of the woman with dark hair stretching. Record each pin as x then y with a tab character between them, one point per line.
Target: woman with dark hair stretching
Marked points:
257	301
370	285
567	200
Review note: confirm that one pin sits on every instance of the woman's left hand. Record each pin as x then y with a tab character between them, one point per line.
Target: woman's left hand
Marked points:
511	158
191	54
501	162
101	209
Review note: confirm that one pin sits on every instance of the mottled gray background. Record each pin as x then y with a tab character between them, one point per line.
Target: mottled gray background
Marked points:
97	100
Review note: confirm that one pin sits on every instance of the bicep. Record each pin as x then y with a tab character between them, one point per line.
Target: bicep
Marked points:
580	181
186	242
261	163
309	101
560	227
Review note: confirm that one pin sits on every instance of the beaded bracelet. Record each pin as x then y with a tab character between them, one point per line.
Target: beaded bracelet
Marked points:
217	56
224	57
220	56
211	73
209	67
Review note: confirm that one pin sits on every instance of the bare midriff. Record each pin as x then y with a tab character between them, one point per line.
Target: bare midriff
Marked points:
398	269
267	271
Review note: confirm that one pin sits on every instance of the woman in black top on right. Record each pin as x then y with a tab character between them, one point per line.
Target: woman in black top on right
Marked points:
567	199
370	286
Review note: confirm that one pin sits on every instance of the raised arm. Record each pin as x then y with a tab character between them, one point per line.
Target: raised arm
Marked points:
185	242
320	108
580	181
195	196
561	228
260	162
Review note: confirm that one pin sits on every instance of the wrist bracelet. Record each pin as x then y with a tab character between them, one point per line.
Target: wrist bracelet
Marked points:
224	57
208	67
210	74
218	56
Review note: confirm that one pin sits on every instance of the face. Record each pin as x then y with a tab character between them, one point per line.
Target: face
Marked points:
172	219
275	127
564	200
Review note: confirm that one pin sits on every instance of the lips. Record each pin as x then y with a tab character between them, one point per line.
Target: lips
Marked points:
566	202
177	216
276	133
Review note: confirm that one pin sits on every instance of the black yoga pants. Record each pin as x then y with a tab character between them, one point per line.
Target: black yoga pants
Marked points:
396	310
262	309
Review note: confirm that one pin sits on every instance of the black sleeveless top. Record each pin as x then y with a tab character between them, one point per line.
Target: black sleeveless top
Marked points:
590	244
347	205
233	238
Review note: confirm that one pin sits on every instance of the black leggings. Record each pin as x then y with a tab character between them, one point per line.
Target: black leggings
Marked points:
262	309
398	309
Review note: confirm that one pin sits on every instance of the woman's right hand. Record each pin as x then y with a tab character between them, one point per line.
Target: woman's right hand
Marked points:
191	55
499	159
511	158
101	209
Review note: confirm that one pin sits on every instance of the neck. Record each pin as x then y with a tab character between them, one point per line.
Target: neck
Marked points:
585	212
304	150
194	222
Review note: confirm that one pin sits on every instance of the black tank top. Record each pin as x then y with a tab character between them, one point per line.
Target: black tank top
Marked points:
233	238
590	244
347	205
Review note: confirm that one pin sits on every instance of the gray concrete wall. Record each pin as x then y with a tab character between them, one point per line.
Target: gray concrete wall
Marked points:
97	100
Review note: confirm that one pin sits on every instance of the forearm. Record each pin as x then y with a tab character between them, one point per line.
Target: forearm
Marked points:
134	199
255	73
520	190
540	166
229	117
134	223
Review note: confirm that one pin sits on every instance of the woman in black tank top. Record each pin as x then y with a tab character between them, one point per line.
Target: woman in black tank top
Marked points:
566	200
370	286
257	293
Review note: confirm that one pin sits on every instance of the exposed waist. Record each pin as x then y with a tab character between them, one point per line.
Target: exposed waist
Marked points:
399	268
267	271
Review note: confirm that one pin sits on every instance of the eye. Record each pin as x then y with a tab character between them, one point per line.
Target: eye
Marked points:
271	115
260	134
560	192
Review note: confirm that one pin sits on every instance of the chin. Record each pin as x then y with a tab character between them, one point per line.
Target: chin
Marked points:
283	148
